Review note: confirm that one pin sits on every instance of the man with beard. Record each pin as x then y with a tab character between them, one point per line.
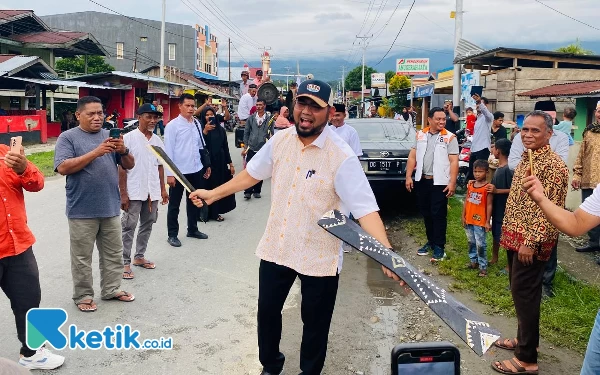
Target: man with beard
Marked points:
312	172
346	132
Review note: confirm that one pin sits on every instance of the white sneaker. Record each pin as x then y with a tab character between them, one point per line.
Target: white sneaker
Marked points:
43	359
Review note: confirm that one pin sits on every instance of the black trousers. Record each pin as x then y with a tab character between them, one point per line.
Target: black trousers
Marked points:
318	301
479	155
550	269
526	288
20	281
175	195
258	187
594	234
433	205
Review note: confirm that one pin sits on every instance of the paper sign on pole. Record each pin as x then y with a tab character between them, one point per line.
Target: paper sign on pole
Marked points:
378	80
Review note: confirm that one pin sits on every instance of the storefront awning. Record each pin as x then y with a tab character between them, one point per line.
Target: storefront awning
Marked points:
69	83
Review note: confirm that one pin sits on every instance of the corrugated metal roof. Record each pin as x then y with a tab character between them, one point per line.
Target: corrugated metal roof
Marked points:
141	77
60	82
49	37
15	62
565	90
8	14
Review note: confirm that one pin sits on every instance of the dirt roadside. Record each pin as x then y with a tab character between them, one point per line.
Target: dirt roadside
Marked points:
420	322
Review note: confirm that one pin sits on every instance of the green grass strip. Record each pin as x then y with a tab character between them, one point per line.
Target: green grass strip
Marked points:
44	161
566	320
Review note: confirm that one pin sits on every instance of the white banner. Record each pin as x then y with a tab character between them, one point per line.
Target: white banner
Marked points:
378	80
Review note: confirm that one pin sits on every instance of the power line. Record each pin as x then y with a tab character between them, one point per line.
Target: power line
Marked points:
377	16
234	26
566	15
388	21
397	35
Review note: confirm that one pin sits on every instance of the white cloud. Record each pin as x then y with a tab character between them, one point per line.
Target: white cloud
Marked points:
321	28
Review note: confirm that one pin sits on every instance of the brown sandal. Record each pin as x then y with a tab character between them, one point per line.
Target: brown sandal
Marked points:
507	344
502	367
123	297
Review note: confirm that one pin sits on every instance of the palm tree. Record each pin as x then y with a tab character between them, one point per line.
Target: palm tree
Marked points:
575	49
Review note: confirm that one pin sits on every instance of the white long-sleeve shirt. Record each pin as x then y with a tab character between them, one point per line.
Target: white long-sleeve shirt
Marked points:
483	126
559	143
182	145
247	101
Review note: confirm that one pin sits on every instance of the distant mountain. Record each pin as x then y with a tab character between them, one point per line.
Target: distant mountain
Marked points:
330	69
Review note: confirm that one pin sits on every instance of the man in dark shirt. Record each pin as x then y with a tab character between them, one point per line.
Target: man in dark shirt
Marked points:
500	187
452	124
498	130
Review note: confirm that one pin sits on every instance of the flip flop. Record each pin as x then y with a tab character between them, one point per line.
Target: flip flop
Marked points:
147	265
124	294
501	368
87	304
129	275
500	343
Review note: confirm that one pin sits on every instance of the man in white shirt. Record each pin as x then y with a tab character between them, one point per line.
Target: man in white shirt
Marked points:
182	145
141	188
346	132
247	101
482	141
293	246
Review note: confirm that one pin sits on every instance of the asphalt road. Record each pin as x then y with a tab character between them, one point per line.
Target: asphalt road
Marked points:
203	295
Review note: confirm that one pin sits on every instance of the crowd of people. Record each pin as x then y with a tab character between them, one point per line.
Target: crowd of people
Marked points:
115	185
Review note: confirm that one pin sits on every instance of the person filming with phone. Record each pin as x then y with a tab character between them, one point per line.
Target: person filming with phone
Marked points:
89	157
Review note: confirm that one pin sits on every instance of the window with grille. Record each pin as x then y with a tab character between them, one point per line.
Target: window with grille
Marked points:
120	49
171	51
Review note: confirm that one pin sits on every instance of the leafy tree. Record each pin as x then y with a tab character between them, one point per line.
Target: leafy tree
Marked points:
575	49
397	83
388	75
96	64
354	78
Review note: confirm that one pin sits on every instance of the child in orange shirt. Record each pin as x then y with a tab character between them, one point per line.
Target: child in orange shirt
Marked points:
476	217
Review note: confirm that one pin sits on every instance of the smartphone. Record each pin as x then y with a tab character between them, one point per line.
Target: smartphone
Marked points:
436	358
216	101
15	144
115	133
212	120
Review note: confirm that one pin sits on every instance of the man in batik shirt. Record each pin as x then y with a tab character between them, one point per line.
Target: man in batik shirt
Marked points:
529	238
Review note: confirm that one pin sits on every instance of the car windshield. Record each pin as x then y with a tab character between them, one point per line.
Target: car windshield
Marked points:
383	130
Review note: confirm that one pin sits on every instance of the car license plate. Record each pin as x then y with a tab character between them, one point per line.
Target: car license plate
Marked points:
385	165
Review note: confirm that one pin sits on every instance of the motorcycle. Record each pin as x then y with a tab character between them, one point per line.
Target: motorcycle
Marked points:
233	120
129	124
111	121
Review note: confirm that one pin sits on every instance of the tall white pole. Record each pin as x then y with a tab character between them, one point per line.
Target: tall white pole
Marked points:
458	22
162	40
343	84
362	87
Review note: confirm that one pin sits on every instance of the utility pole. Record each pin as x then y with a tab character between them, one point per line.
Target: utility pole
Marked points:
343	84
134	61
287	78
362	86
458	22
162	40
229	57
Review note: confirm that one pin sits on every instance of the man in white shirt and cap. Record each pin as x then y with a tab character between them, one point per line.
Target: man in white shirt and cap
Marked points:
141	188
346	132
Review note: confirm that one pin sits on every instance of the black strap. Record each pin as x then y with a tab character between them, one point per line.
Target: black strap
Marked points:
200	133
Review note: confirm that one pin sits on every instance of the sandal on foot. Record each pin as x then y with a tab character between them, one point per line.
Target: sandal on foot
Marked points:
220	218
482	273
128	275
91	304
145	264
123	297
507	344
504	368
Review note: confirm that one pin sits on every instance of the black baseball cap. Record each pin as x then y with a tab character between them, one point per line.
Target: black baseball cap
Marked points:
148	108
259	72
318	91
252	86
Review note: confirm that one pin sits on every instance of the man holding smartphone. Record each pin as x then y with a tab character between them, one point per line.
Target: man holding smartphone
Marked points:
89	159
19	275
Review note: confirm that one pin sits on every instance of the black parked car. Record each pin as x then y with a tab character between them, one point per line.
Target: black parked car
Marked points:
386	144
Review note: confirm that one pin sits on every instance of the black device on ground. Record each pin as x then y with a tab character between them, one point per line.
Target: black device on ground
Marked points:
115	133
435	358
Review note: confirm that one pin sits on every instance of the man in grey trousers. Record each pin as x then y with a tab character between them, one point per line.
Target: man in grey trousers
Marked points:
89	157
141	188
